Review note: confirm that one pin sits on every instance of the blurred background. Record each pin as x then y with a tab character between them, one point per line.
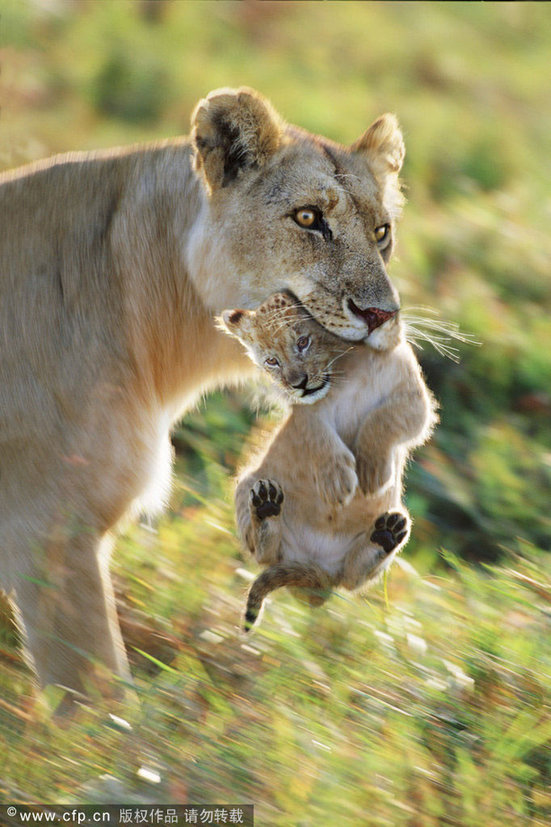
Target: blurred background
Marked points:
432	704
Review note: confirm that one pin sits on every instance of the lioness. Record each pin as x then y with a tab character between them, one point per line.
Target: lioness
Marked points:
322	505
113	266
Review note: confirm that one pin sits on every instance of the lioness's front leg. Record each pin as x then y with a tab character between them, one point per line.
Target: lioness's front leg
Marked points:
66	610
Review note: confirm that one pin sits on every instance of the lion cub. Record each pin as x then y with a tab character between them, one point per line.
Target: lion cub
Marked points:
321	507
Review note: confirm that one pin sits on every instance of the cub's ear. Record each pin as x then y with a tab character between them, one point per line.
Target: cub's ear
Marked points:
383	145
232	130
236	322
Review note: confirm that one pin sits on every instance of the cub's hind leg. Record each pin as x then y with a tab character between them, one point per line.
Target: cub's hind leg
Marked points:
258	506
373	552
391	530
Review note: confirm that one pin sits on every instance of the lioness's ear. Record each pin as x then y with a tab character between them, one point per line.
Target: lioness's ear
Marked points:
232	130
236	322
384	146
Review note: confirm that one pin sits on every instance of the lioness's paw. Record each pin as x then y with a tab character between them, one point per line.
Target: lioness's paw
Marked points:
390	530
341	481
265	499
374	473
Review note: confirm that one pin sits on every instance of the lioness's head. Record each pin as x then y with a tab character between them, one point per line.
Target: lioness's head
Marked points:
288	210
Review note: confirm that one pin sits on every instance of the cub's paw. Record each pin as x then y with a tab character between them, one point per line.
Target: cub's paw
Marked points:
374	473
390	530
265	499
341	482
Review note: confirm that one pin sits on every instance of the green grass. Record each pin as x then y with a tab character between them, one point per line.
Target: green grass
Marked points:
435	708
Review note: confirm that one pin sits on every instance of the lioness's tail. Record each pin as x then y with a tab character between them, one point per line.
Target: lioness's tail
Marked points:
303	576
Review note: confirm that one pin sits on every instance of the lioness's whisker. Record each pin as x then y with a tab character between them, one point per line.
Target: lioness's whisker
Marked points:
450	329
436	332
439	344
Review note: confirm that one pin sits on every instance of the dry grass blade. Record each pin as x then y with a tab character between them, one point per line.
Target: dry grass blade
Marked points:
540	589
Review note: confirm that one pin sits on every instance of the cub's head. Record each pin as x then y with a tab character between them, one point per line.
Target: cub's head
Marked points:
288	210
298	354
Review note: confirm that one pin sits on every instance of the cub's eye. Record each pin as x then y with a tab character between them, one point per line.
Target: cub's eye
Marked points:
272	362
303	343
308	217
381	233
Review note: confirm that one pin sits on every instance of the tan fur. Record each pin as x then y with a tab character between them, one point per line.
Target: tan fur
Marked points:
308	578
112	267
336	466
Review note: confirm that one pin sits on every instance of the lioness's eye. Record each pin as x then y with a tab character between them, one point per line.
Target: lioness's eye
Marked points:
303	343
307	217
310	218
381	233
271	361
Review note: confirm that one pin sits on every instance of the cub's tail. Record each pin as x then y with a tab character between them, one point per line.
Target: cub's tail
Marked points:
316	581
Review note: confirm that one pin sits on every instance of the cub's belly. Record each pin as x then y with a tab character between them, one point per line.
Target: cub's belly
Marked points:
323	534
301	544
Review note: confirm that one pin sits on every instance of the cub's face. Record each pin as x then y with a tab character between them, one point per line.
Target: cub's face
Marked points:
297	353
287	210
300	356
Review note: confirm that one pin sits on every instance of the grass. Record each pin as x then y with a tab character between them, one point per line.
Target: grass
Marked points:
431	709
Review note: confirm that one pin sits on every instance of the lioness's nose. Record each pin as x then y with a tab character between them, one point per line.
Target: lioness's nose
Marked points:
373	316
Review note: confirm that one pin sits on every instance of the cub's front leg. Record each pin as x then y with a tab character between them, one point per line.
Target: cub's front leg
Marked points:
406	419
374	466
258	506
331	464
376	446
335	476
